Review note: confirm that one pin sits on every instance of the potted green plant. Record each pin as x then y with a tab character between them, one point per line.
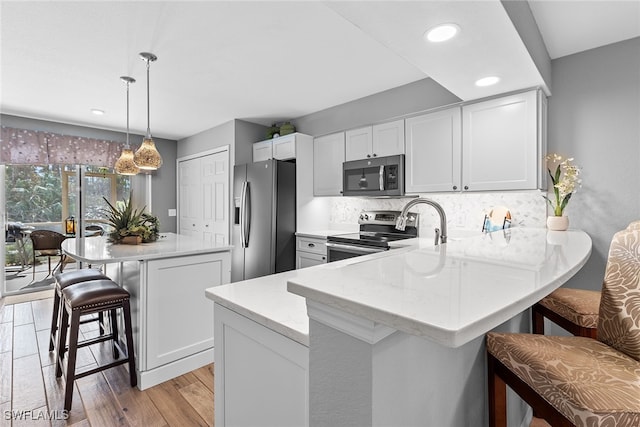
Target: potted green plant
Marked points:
129	225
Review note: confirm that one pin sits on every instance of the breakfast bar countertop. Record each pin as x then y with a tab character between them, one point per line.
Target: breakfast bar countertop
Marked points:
449	294
452	293
98	250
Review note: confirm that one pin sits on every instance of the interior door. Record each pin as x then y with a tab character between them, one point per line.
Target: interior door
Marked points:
190	197
215	197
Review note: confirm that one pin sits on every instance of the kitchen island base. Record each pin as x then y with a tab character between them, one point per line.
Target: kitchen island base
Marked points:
172	320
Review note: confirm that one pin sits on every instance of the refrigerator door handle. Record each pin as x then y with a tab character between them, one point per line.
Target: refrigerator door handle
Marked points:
246	214
242	210
381	177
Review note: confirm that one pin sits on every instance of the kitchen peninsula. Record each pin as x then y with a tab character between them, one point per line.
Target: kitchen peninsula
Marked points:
172	322
393	338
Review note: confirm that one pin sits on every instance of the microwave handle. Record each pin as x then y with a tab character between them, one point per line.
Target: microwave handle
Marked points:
381	177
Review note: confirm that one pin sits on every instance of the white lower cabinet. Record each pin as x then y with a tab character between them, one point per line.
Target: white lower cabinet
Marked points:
310	251
261	376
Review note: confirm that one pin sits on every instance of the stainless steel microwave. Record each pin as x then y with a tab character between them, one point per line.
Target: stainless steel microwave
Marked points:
378	176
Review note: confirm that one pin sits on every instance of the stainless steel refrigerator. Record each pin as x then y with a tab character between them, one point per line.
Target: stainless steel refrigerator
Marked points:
263	231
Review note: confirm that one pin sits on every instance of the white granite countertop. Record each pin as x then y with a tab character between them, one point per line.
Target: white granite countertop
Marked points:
450	294
322	234
97	250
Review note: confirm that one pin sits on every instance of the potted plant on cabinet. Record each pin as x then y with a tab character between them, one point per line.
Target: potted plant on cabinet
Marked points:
129	225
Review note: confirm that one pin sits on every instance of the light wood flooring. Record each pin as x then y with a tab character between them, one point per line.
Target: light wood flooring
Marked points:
28	385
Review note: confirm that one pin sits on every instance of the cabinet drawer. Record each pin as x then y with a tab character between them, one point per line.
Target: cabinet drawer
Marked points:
316	246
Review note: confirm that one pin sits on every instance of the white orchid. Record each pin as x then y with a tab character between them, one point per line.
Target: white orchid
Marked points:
566	180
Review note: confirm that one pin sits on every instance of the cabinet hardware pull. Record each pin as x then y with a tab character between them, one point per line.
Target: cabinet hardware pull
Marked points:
375	155
311	245
455	187
368	155
466	187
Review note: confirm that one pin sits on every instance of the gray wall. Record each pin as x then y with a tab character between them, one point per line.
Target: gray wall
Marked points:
408	99
594	116
239	135
163	178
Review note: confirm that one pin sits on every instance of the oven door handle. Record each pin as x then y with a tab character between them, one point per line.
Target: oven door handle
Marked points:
352	248
381	173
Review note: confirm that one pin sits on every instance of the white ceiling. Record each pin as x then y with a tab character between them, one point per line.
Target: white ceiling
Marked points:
267	61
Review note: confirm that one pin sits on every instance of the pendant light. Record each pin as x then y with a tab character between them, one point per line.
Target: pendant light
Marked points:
125	164
147	157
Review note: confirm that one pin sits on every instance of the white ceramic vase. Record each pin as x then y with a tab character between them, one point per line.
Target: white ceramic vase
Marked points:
557	223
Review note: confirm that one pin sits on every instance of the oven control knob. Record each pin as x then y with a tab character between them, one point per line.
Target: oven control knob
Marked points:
366	217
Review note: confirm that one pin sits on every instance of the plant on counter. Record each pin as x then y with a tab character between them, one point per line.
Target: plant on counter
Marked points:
565	180
127	221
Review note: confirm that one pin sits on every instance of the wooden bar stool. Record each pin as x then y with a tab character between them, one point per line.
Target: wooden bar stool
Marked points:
62	280
87	298
575	310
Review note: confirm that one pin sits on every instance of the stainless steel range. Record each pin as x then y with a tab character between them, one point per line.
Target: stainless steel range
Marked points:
377	229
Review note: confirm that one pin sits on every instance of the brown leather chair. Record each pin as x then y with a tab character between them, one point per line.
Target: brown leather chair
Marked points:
575	310
578	380
47	243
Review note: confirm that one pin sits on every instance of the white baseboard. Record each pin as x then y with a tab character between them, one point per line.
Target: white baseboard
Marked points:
172	370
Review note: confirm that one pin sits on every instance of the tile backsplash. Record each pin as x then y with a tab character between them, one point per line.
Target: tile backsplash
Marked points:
463	210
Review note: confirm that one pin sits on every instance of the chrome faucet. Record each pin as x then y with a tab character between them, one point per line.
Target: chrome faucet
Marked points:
441	234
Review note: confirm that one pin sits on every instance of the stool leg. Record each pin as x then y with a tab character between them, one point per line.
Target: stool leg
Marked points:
62	341
101	323
114	333
129	334
71	359
55	319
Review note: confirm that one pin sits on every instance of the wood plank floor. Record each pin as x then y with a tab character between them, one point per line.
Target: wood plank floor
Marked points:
30	393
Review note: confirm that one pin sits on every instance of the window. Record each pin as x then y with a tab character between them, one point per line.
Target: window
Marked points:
46	195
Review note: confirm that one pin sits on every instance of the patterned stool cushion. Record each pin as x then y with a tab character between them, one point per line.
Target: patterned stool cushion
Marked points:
590	383
577	305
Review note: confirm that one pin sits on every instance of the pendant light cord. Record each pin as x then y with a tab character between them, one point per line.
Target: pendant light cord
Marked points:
148	114
128	146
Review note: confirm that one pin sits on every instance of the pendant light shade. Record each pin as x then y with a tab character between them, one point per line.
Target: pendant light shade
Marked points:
147	156
125	164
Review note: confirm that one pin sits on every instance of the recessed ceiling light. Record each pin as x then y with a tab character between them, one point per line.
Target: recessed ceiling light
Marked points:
487	81
441	33
97	112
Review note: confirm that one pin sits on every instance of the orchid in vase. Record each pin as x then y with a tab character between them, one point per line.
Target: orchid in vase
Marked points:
565	180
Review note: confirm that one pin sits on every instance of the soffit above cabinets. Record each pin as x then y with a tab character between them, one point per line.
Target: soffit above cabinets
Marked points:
487	44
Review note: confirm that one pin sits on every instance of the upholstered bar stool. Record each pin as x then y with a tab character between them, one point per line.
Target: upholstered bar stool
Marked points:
575	310
87	298
577	380
62	280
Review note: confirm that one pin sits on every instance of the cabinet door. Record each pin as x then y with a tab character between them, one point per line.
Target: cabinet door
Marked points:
262	151
388	139
358	144
284	147
433	146
307	259
500	144
328	156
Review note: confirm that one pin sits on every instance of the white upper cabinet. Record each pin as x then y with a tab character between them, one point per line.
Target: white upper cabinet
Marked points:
262	150
284	147
497	144
328	156
281	148
500	149
385	139
433	149
388	138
